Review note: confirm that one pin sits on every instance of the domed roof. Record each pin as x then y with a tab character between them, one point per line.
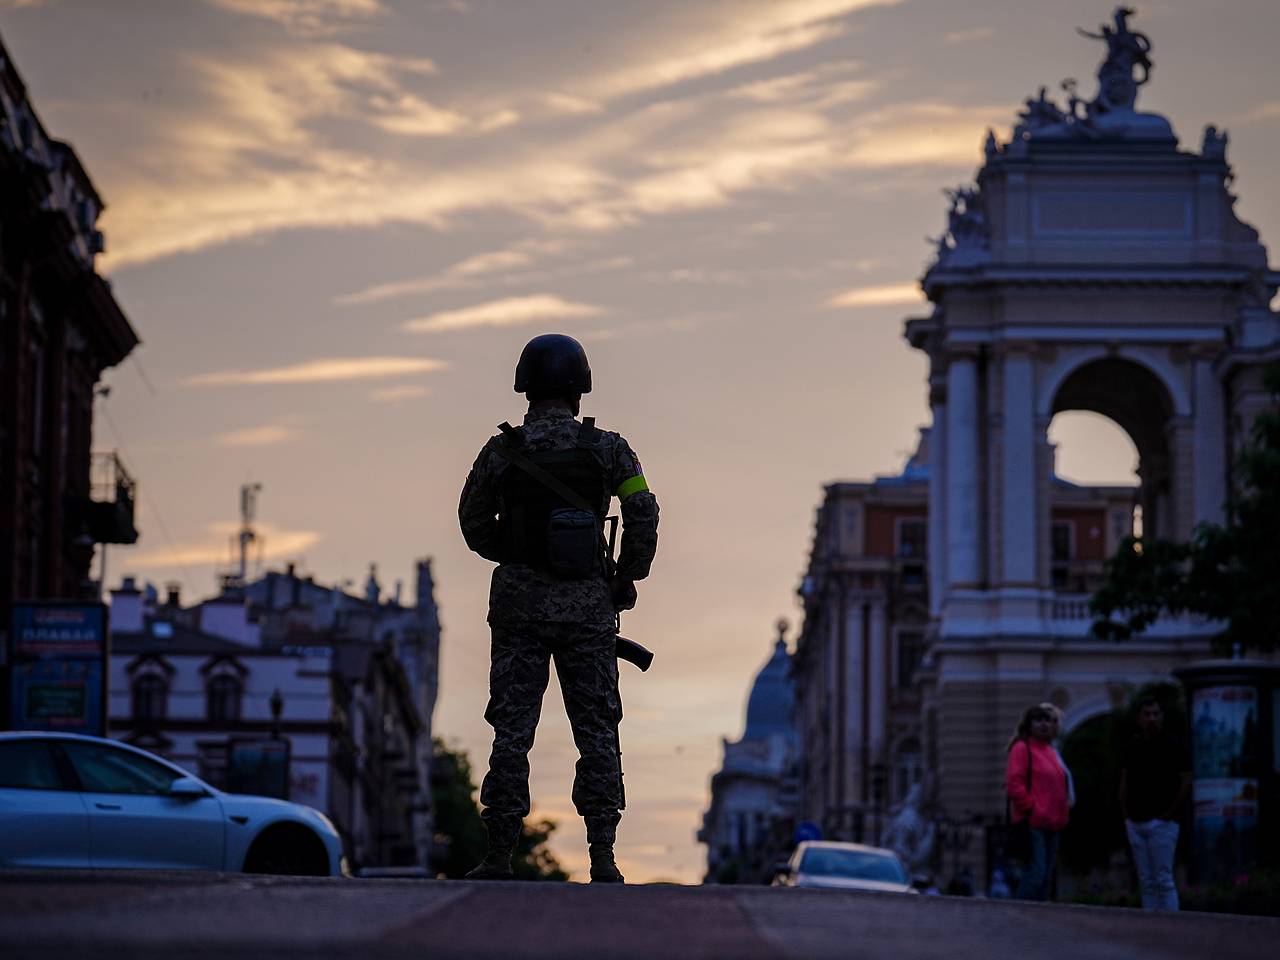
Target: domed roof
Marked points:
772	697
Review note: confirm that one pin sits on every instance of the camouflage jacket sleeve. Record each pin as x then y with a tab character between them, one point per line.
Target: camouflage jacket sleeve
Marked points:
639	513
478	508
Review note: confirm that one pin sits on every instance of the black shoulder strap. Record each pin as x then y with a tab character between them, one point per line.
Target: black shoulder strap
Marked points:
588	435
507	450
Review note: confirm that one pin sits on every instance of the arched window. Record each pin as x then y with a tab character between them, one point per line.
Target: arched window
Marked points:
223	699
150	698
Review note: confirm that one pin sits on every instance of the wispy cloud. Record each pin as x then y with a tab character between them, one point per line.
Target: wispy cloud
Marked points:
478	265
306	17
825	86
215	548
722	39
323	371
507	312
928	133
877	296
1268	110
398	394
412	116
571	103
969	35
271	145
265	436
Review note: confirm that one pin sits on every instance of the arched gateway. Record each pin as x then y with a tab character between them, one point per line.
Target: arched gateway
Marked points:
1094	266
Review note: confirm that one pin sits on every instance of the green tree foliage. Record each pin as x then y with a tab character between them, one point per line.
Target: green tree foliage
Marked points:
1226	573
461	833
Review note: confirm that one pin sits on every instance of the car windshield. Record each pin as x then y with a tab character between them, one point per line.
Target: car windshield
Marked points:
853	864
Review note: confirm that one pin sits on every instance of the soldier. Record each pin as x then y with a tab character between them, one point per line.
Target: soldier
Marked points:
535	502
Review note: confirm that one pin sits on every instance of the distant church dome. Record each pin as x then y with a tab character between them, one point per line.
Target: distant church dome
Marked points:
772	696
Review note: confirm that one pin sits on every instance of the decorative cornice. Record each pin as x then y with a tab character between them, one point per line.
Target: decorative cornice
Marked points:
1078	278
150	659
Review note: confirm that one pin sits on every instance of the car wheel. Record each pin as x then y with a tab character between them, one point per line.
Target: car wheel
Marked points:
288	849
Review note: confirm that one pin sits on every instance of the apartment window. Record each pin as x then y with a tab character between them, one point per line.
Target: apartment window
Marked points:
912	545
913	537
150	698
38	373
1060	553
223	699
1061	542
910	653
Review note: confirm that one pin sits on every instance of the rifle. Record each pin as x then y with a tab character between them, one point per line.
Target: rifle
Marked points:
625	649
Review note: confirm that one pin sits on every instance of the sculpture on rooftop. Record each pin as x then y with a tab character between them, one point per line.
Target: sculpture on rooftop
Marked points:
967	239
1109	115
1127	51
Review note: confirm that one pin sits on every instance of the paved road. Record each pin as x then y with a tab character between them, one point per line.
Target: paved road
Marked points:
178	916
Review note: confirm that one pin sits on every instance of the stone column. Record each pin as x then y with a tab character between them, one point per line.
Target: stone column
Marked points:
879	672
1018	504
937	559
1180	506
855	669
963	507
1210	445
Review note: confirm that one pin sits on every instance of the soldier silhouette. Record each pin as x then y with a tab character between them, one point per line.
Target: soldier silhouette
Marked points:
535	502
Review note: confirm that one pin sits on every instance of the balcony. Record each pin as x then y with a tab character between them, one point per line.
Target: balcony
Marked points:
112	492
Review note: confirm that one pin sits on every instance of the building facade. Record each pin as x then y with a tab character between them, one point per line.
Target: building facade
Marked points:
60	328
343	686
750	823
862	664
1094	265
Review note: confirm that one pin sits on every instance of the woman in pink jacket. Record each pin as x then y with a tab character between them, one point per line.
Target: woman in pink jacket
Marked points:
1036	784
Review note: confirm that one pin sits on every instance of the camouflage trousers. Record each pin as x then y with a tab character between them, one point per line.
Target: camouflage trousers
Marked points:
587	668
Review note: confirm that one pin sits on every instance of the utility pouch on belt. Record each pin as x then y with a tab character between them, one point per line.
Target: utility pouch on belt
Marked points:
573	544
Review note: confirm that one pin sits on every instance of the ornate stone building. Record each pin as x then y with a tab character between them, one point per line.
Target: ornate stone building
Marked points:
750	822
860	667
1094	265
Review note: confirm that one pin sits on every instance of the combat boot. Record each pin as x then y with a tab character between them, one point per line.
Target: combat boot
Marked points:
603	867
496	864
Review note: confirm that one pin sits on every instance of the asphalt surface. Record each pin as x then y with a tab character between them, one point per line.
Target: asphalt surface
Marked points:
183	916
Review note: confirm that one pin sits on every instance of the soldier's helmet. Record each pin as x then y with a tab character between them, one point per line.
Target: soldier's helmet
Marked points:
553	365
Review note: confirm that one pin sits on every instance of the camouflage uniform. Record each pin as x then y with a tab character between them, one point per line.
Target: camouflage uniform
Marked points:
535	618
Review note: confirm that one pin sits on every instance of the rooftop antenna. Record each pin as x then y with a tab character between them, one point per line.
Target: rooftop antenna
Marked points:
234	581
248	510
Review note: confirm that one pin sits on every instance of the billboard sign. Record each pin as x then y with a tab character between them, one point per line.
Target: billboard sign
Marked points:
1224	736
58	667
258	766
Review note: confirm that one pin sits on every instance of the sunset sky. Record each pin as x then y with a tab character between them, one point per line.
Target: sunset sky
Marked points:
335	223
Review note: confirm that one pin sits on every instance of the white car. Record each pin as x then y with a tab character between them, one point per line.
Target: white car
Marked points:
845	866
74	801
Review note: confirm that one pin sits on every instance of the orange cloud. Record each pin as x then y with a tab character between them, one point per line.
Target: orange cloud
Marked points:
326	370
508	312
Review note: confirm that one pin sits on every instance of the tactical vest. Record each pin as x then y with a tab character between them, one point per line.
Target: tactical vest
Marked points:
539	526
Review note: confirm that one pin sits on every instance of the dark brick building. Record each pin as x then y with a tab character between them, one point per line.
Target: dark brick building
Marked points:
60	328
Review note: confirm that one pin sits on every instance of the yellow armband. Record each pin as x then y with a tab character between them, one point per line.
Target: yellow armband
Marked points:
634	485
